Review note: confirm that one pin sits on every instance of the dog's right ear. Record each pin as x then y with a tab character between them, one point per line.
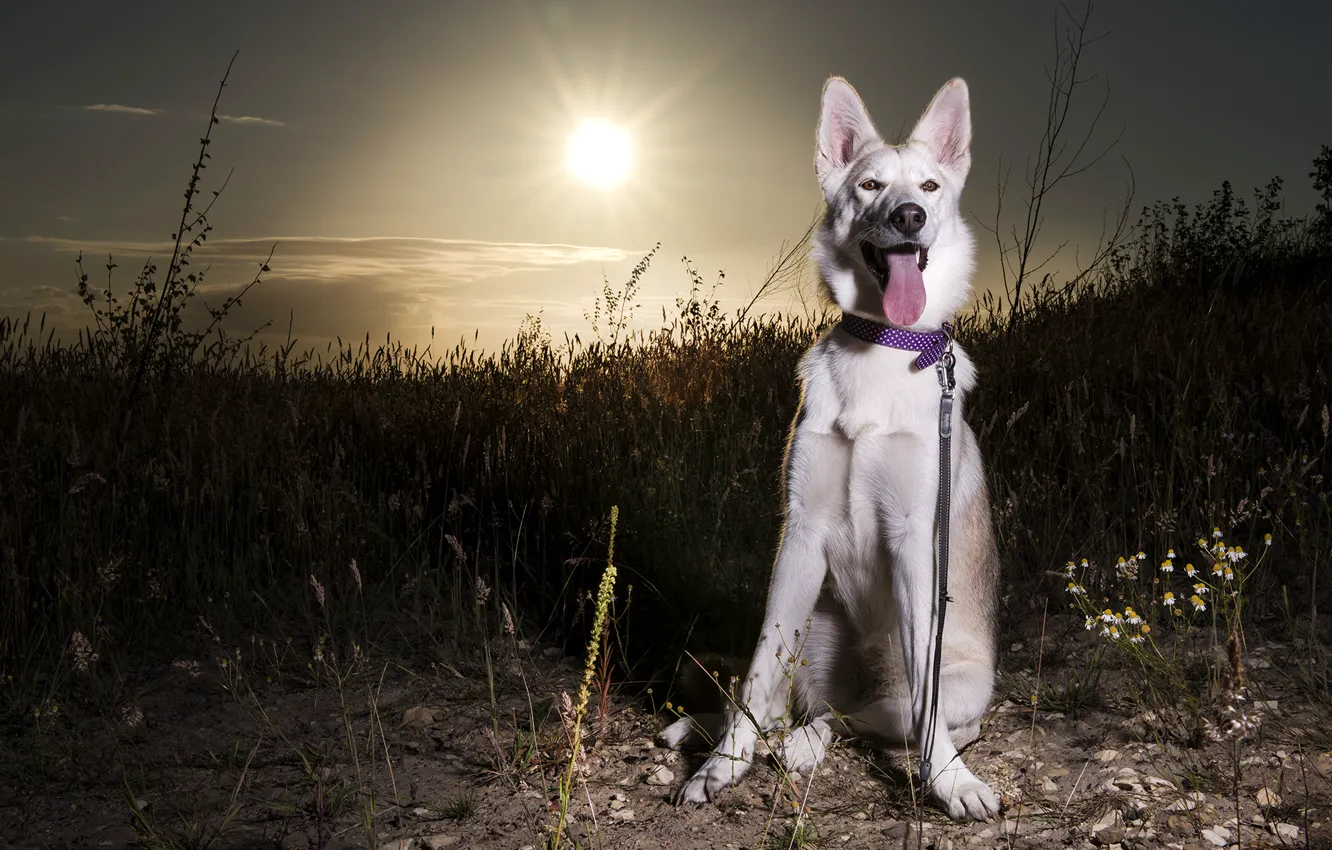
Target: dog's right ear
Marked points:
844	127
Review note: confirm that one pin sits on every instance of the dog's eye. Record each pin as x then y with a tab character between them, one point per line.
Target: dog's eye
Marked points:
930	186
871	185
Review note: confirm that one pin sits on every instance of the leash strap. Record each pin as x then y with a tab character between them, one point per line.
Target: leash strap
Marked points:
947	385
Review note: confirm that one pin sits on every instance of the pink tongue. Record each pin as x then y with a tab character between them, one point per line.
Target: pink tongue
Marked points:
904	294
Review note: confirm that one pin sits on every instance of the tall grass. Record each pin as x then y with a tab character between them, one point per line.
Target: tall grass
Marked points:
1185	386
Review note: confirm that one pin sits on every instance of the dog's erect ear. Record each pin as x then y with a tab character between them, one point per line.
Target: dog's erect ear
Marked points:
945	128
844	126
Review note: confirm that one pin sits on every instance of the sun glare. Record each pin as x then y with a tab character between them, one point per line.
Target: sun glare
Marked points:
599	154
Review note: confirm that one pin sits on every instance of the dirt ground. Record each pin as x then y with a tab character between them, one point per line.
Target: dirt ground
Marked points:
196	762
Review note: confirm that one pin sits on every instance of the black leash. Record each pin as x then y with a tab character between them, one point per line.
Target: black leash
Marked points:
947	384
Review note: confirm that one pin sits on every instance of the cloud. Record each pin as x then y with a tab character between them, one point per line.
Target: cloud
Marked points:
121	109
351	286
251	119
402	261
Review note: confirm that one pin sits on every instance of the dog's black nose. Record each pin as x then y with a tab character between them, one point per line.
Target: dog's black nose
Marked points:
907	219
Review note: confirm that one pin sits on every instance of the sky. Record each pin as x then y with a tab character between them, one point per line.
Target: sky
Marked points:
408	158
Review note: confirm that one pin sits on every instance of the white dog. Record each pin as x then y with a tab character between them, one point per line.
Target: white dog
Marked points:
849	633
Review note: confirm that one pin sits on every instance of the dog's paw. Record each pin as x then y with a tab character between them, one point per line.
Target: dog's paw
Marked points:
802	750
966	797
717	773
673	737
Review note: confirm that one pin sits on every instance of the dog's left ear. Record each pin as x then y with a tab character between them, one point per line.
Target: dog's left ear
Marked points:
945	128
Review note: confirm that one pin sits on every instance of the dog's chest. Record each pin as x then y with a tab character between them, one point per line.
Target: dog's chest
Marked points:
883	417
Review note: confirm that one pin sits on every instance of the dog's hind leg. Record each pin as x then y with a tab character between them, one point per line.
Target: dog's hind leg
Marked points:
830	677
965	687
693	732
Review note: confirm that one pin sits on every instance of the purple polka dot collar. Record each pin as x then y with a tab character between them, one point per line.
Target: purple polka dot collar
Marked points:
931	345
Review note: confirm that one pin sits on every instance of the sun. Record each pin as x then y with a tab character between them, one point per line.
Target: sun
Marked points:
600	154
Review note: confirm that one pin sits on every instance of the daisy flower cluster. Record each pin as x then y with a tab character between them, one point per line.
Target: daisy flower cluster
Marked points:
1125	626
1179	591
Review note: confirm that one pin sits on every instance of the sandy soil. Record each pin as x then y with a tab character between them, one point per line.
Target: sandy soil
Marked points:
422	765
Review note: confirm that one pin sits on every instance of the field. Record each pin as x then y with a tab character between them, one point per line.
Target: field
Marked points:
257	597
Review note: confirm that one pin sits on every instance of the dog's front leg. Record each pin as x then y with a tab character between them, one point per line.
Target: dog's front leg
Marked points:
797	577
915	588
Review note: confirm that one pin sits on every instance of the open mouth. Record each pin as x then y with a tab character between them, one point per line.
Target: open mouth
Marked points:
880	260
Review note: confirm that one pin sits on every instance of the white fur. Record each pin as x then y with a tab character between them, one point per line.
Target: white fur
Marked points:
853	589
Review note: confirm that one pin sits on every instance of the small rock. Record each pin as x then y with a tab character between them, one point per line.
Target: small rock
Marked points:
439	842
399	844
1158	782
1109	835
616	805
1217	836
1112	818
1183	804
1048	786
860	816
659	775
900	830
1267	798
552	652
1106	756
622	814
1017	647
1287	830
1180	824
418	717
1057	773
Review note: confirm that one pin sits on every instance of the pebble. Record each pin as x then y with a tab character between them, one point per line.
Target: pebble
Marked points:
1109	835
1267	798
622	814
1057	773
399	844
1105	756
1048	786
439	842
1218	836
1185	804
419	717
1180	824
1109	819
660	775
899	830
1288	830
